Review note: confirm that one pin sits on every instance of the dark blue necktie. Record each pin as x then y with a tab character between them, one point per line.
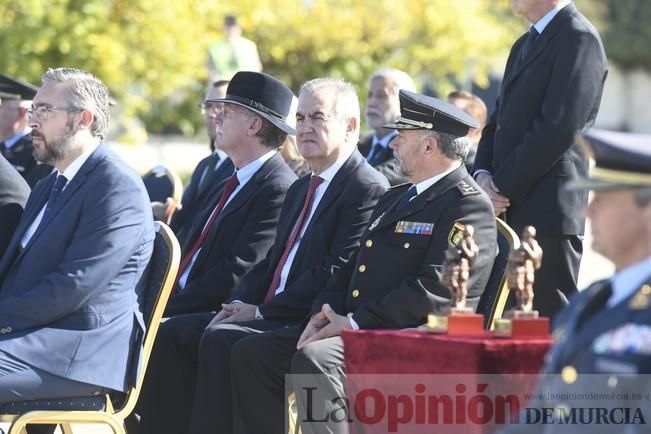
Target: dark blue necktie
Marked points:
55	192
532	35
372	155
406	198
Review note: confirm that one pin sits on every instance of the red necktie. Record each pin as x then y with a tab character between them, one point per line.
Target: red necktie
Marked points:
315	181
230	186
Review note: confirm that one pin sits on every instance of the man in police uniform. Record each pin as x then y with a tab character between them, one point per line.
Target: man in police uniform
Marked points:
15	138
392	281
603	338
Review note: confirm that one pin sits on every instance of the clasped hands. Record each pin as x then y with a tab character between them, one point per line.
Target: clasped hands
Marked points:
322	325
500	202
234	312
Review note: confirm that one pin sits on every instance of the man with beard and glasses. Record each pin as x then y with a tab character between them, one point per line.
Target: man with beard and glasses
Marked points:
382	107
70	279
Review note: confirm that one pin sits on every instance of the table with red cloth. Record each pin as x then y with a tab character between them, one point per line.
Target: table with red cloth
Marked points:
395	371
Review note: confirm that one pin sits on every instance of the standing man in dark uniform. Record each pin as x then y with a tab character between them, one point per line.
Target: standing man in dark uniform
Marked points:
14	192
392	281
603	338
382	107
15	138
551	89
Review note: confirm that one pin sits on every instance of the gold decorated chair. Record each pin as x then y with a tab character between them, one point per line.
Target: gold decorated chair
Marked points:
493	299
109	410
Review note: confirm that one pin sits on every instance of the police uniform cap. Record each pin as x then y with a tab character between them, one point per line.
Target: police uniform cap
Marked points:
11	88
421	112
622	160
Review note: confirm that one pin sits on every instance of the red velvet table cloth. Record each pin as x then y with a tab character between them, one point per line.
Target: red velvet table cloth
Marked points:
428	364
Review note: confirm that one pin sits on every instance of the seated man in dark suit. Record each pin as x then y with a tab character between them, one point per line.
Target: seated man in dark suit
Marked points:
70	323
475	107
15	140
237	226
392	280
209	173
13	196
322	219
383	106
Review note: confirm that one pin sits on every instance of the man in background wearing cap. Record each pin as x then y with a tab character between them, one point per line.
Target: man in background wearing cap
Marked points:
551	89
15	138
209	173
606	329
391	282
382	107
14	192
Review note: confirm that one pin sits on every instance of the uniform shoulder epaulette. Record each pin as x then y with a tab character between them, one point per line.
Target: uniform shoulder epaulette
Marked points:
466	189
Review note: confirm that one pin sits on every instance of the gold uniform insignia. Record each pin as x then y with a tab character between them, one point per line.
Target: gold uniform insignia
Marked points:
456	234
641	299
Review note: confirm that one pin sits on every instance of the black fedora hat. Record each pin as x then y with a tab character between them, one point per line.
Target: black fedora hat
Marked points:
263	94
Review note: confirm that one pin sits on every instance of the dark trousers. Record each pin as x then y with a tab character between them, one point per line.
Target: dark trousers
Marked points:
259	366
188	384
556	281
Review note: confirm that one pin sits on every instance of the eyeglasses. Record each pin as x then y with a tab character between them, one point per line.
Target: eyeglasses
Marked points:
42	112
210	107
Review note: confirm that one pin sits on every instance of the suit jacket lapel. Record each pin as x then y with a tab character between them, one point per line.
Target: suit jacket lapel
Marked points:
241	198
69	191
514	68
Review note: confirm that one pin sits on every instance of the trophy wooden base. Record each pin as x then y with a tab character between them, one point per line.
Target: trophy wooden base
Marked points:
522	325
459	322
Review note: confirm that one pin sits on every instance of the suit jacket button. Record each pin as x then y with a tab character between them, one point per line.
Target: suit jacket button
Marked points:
569	374
356	293
406	245
362	268
369	243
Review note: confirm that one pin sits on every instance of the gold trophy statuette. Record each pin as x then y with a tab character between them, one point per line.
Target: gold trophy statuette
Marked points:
522	321
458	319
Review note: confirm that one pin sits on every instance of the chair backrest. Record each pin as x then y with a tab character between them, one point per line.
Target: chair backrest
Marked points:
161	272
493	299
161	183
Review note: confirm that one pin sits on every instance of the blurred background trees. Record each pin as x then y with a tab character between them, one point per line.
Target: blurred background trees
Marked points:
152	55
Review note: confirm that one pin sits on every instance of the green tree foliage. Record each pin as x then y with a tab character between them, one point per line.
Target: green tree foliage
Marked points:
152	55
624	27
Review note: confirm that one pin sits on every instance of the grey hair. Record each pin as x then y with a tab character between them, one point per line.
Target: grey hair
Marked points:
346	101
401	79
83	91
453	147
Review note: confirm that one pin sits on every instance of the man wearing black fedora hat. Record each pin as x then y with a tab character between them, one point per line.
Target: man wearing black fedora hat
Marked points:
15	138
231	235
237	227
603	338
392	280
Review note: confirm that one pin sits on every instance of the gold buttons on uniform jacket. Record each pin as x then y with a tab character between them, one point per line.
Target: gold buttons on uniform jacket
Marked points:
369	243
569	374
356	293
406	245
362	268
